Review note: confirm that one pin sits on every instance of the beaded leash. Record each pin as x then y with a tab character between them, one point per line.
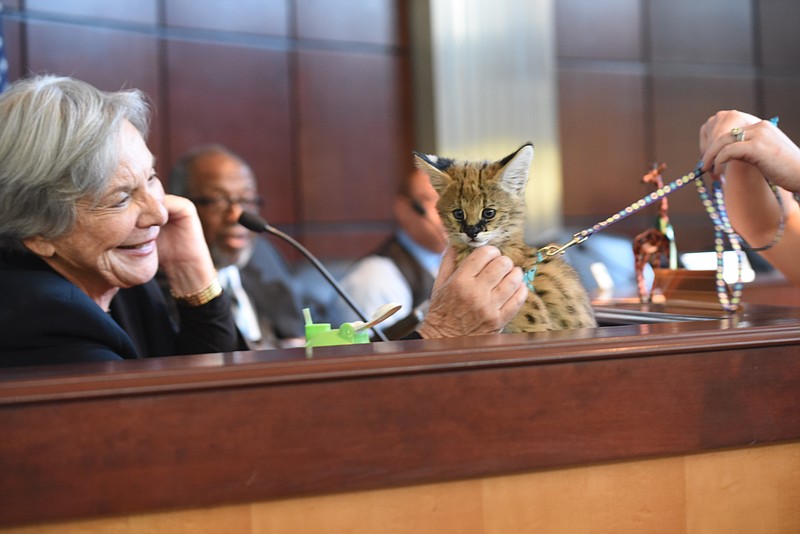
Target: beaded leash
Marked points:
583	235
714	208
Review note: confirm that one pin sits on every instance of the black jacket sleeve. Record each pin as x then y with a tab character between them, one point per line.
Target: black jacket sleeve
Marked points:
143	314
209	328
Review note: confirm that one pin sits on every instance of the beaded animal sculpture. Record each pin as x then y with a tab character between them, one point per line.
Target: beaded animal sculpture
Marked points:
482	203
656	245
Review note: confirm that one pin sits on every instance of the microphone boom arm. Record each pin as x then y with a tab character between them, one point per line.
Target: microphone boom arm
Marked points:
257	224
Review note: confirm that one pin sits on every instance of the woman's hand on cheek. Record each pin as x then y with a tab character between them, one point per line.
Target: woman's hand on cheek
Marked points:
182	250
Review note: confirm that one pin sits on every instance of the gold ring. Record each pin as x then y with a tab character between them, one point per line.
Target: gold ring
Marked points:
737	133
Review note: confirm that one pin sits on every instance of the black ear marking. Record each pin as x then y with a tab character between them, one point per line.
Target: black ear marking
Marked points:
508	158
441	164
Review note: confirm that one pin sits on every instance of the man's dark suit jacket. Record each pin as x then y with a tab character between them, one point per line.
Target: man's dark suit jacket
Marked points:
268	283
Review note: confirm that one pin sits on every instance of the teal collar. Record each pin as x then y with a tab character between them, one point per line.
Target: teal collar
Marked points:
528	276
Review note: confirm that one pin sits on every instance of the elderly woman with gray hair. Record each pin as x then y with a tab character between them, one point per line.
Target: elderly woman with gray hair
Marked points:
85	224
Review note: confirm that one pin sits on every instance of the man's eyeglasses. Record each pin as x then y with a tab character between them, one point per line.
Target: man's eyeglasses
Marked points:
223	203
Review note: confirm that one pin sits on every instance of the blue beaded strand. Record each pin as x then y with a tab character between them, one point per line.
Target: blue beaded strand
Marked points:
715	208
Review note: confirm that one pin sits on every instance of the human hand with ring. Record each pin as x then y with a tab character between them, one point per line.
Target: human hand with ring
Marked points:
731	135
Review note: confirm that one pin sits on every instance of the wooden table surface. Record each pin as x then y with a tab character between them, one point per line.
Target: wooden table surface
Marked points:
111	439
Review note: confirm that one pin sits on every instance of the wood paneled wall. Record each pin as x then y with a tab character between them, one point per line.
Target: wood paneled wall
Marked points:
637	78
313	94
316	94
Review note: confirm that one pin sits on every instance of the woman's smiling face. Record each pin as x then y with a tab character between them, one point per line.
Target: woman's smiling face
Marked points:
113	243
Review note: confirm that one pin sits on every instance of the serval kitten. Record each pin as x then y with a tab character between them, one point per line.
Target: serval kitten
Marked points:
481	203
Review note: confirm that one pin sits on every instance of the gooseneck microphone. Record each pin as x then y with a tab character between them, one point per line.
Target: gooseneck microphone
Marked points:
255	223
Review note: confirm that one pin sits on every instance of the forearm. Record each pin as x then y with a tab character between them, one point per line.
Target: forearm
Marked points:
783	255
751	204
756	215
189	277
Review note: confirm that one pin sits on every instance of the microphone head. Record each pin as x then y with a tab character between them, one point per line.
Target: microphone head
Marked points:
253	222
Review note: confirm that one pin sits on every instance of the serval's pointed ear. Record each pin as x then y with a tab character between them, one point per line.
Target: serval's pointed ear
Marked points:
435	167
513	174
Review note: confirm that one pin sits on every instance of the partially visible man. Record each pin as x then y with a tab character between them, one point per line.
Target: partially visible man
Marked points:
402	269
222	185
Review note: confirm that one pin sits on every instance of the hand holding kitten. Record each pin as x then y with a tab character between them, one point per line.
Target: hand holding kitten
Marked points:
479	296
482	203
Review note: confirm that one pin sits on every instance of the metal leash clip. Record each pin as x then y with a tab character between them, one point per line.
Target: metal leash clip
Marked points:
553	250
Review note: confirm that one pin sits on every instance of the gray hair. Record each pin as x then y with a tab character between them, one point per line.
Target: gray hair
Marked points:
58	144
181	174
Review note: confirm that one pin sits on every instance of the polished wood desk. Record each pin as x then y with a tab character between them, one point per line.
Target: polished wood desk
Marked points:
644	426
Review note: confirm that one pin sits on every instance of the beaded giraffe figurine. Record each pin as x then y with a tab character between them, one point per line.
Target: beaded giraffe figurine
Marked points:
655	245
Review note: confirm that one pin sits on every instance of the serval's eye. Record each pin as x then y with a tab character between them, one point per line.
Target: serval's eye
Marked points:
458	214
489	213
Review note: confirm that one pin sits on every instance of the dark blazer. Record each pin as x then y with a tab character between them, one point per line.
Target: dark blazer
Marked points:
45	319
268	283
420	281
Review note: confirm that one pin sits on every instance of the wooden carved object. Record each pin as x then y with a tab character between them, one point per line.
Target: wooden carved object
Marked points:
656	245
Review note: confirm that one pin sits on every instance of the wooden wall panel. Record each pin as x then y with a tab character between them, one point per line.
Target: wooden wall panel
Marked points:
778	21
603	141
237	96
268	17
340	109
711	31
696	58
781	99
601	30
780	59
361	21
135	11
107	58
353	144
681	105
233	72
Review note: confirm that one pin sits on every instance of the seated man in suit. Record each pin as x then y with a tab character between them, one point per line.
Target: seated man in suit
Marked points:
403	268
221	184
